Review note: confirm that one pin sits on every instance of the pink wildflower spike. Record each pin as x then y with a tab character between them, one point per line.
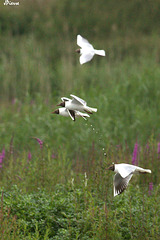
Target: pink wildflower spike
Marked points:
150	187
53	155
39	141
135	153
29	156
2	156
13	101
3	153
158	148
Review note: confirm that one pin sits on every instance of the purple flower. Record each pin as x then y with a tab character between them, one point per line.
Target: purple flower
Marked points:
39	141
2	156
29	156
135	154
3	153
150	187
53	155
13	101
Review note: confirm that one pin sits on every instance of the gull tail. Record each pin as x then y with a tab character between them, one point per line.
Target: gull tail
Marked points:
90	110
100	52
142	170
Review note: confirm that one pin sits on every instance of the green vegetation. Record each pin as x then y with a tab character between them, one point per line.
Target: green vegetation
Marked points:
63	190
74	212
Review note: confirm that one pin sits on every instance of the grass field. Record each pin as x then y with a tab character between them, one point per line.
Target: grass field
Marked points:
54	182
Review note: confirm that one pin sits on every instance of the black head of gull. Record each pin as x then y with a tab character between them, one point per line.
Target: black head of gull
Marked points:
56	111
112	167
62	104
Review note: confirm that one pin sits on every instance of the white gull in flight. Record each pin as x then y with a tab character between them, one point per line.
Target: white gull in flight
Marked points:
76	103
87	51
124	173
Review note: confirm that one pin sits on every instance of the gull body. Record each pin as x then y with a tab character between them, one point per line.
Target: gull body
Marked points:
124	173
76	103
70	113
87	51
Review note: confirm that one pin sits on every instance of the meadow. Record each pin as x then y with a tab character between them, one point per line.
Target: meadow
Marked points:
54	182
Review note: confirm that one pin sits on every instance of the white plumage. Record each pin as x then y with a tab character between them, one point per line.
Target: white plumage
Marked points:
87	51
77	104
70	113
124	173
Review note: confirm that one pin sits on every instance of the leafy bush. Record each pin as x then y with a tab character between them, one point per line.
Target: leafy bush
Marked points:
77	213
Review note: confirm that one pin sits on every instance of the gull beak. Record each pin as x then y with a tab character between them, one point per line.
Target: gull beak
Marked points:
111	167
56	111
62	104
77	50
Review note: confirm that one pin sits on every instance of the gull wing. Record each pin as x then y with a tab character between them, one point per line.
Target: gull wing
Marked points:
64	99
126	169
83	115
120	183
82	42
71	114
77	100
86	57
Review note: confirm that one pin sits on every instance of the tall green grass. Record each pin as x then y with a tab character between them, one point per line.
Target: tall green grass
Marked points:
126	94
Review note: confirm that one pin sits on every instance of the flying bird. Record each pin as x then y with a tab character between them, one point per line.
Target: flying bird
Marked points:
124	173
70	113
87	51
76	103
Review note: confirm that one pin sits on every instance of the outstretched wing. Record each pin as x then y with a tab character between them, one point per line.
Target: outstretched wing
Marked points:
82	42
71	114
77	100
125	169
120	183
86	57
64	99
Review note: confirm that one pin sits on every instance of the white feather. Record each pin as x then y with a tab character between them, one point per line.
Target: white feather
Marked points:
87	51
124	173
78	104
